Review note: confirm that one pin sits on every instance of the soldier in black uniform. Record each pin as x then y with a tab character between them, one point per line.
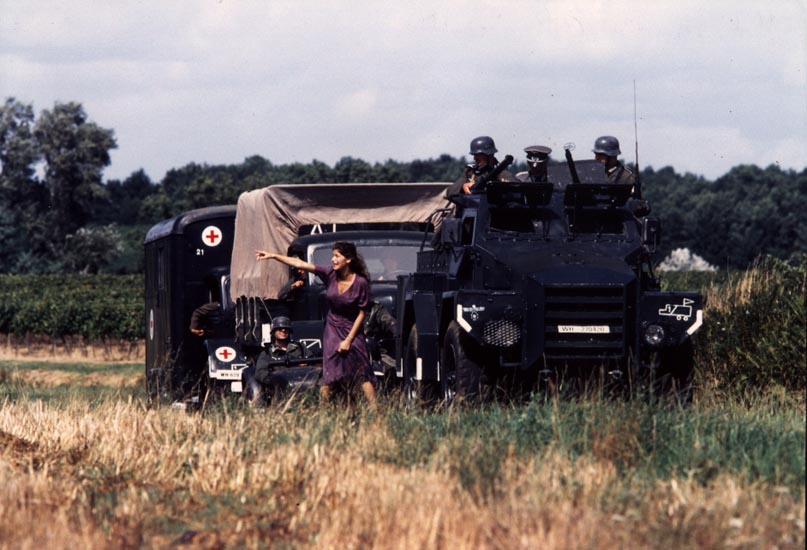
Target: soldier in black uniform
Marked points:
537	160
483	150
293	288
281	348
606	149
210	321
379	328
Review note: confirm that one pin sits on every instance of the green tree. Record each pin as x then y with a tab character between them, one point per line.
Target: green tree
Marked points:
90	249
156	207
21	195
123	199
75	152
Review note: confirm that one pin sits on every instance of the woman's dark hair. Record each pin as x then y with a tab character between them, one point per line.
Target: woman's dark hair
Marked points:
356	265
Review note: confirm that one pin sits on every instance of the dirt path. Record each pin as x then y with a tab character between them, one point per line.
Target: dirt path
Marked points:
40	349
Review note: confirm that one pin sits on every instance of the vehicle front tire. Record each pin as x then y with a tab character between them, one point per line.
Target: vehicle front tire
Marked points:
675	372
416	392
461	371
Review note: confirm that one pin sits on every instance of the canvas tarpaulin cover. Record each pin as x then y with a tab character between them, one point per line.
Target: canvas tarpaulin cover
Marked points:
270	219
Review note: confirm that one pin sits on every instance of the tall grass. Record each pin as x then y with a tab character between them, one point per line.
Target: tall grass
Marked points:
755	328
84	463
553	474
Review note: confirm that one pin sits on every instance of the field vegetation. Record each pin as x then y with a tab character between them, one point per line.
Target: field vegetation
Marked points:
84	462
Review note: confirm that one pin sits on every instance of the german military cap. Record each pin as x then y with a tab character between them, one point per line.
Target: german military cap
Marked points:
537	152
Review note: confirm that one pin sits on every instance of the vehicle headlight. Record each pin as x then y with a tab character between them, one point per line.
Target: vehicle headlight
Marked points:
654	335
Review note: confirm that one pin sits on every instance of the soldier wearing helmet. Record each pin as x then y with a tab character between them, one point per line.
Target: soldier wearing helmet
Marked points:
606	150
282	347
483	150
537	160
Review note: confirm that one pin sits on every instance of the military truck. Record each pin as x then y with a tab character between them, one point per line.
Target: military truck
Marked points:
528	282
385	221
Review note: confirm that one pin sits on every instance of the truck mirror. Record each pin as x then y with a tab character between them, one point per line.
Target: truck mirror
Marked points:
651	233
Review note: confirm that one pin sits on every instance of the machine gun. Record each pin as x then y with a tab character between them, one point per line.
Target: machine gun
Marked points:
482	180
570	162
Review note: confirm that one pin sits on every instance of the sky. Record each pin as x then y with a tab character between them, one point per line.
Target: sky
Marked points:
717	84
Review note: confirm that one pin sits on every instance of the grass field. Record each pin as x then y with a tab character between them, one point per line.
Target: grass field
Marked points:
84	464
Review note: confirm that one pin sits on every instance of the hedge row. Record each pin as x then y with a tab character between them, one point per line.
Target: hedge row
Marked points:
91	306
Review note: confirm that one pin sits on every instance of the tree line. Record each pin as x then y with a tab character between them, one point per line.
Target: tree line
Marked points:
58	214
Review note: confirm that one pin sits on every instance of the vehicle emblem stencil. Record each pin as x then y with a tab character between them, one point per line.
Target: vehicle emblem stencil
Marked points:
211	236
225	354
681	312
474	311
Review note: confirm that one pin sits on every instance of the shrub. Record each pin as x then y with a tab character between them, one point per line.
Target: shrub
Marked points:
754	329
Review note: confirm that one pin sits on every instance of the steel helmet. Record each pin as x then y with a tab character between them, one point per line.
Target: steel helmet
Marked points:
281	322
607	145
483	145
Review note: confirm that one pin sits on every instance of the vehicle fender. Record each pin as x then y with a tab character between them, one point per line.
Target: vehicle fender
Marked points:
679	313
426	315
227	361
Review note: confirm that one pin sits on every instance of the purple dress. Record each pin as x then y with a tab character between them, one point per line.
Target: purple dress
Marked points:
353	366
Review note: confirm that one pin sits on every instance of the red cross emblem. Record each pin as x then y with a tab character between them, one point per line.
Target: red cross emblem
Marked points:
225	354
211	235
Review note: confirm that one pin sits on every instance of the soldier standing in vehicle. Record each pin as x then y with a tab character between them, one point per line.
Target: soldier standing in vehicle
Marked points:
483	150
537	160
606	150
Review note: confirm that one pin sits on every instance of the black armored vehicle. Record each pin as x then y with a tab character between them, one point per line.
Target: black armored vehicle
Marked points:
532	281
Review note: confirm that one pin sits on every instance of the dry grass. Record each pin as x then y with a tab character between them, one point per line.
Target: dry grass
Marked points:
113	474
69	348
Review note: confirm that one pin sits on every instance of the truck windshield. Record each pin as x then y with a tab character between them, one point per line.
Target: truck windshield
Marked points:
384	262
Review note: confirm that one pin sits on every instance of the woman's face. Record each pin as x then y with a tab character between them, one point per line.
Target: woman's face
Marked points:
338	261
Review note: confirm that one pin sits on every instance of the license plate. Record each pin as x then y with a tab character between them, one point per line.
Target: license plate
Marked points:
584	329
233	374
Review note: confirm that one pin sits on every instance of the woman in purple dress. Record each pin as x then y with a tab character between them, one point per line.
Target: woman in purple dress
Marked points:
345	358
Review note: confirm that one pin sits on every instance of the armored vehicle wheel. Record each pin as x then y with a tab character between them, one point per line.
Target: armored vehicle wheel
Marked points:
461	372
674	373
416	392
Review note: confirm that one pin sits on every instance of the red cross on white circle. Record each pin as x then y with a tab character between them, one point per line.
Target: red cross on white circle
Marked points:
225	354
211	235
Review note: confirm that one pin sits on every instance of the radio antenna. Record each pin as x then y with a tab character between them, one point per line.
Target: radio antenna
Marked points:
638	185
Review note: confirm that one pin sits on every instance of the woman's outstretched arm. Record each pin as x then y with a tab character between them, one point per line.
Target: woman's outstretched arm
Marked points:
296	263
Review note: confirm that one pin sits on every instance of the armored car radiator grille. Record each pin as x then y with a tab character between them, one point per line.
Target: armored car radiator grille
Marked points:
584	322
501	333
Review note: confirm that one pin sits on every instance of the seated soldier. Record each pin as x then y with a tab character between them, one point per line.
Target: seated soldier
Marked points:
281	348
379	327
